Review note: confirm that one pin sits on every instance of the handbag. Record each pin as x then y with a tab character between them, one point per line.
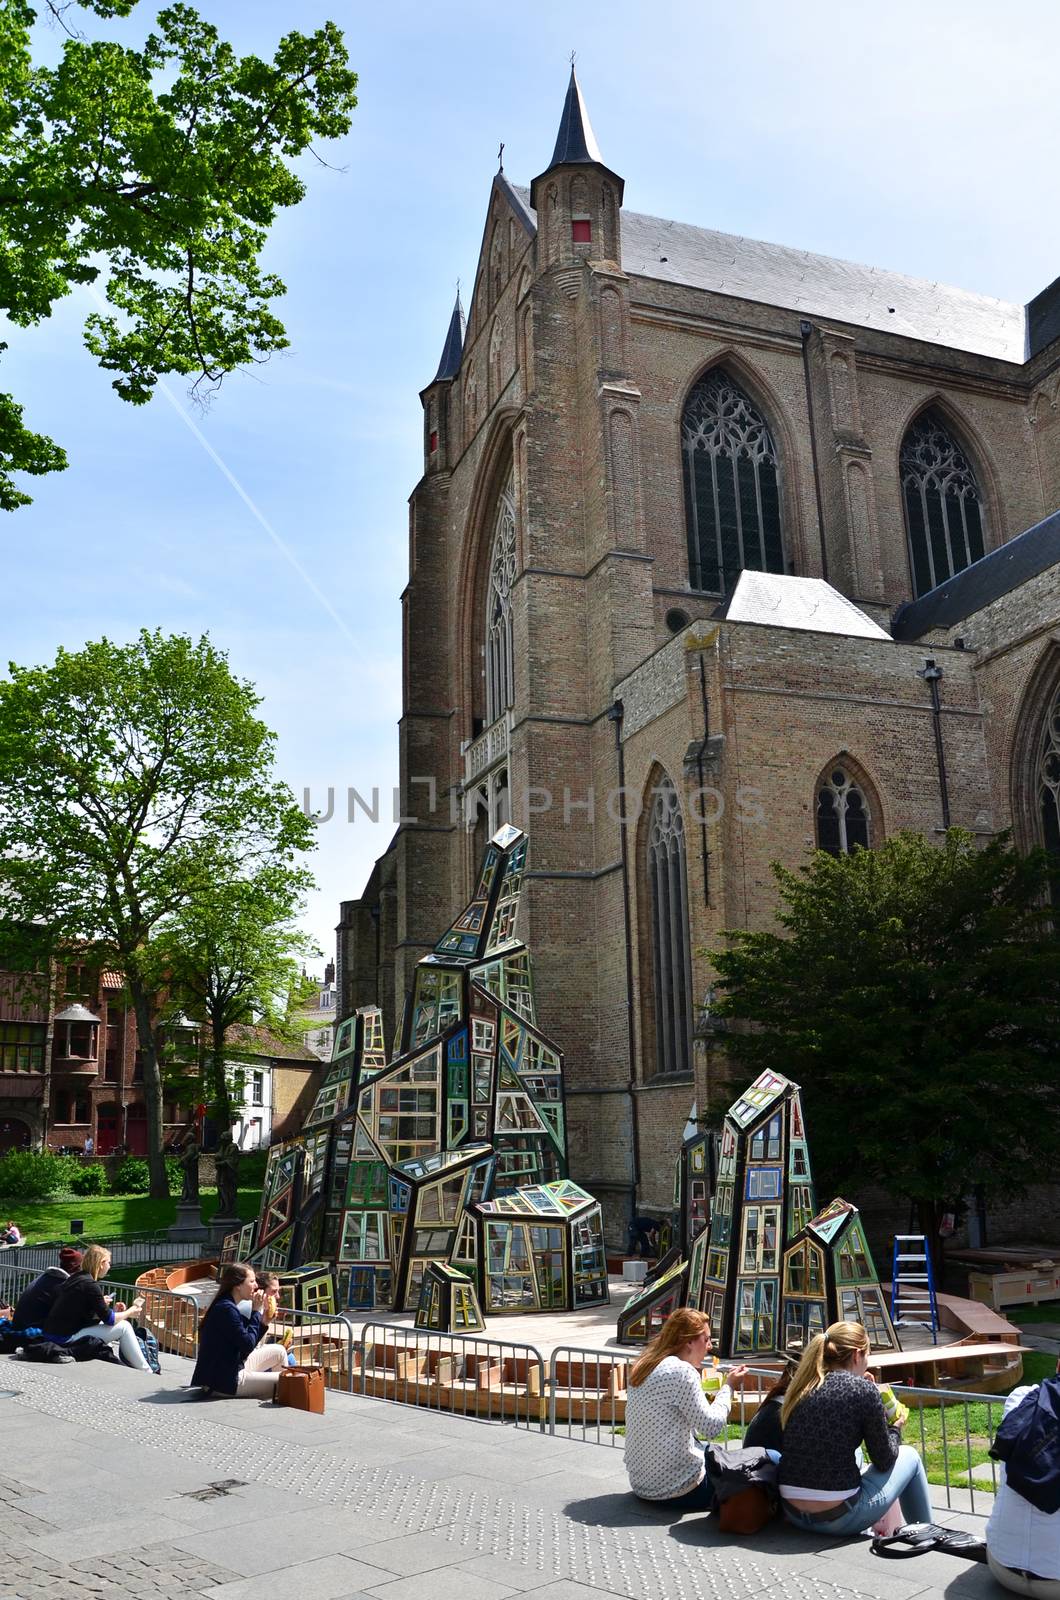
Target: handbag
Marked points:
917	1538
748	1510
301	1387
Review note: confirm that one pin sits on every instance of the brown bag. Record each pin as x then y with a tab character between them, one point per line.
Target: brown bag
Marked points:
746	1511
301	1387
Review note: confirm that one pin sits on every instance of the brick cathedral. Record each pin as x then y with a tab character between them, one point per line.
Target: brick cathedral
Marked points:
722	551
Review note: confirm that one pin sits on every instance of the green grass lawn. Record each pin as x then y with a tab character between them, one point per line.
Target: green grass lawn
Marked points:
1048	1311
108	1216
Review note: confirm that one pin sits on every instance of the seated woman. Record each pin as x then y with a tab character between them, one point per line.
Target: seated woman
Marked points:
831	1408
665	1410
232	1360
765	1431
81	1310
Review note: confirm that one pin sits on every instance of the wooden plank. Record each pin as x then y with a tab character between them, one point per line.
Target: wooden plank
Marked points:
939	1354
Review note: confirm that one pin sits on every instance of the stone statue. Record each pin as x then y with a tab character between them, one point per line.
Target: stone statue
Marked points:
226	1164
189	1166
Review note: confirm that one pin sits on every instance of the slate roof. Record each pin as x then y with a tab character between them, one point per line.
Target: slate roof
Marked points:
252	1039
986	580
775	600
575	141
822	286
449	365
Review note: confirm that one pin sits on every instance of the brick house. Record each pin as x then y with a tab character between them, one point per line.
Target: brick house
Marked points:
276	1081
722	550
71	1069
70	1066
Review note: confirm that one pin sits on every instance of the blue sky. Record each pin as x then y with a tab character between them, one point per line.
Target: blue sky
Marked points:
920	138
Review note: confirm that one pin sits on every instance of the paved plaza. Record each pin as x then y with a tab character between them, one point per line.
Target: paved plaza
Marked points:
119	1484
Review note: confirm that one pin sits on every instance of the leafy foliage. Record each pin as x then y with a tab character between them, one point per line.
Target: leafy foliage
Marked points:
89	1178
231	958
135	781
915	994
131	1175
159	172
33	1175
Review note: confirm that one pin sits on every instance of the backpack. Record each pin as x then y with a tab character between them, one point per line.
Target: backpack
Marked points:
1028	1442
149	1346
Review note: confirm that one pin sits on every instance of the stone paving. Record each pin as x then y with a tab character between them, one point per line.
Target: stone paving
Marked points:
123	1485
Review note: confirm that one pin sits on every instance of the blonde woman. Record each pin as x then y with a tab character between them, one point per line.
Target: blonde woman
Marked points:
665	1410
81	1310
831	1408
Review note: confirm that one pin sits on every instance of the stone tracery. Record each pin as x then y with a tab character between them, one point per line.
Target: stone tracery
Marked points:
943	503
499	650
732	496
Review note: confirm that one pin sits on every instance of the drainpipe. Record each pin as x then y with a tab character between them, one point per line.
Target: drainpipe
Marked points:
614	715
931	675
805	329
703	850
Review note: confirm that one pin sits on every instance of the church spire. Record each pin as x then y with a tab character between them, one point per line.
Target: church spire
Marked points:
575	142
577	198
449	365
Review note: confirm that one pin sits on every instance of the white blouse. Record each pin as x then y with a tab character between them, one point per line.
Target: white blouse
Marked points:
663	1416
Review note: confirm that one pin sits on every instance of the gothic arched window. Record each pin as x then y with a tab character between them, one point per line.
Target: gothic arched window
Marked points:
1047	778
732	488
943	503
671	967
500	674
842	813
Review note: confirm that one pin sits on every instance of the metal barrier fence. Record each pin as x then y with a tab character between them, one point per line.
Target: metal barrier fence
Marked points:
587	1395
129	1250
582	1395
317	1338
951	1449
950	1429
466	1375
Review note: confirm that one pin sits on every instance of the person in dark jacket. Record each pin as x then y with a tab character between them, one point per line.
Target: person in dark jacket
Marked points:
35	1302
764	1431
232	1360
81	1310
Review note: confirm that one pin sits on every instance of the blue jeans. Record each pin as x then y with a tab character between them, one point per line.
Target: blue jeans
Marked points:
906	1482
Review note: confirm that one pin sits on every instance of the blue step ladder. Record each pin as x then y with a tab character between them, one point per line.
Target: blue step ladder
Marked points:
913	1302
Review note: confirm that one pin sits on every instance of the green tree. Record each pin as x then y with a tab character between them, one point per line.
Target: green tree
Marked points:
232	955
135	780
157	172
915	994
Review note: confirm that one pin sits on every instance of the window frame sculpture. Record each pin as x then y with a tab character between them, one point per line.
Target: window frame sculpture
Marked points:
416	1188
511	1248
448	1301
695	1174
842	1294
763	1198
648	1308
473	1077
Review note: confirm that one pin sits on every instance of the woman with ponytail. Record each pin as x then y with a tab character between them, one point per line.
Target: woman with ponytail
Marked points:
831	1408
665	1410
